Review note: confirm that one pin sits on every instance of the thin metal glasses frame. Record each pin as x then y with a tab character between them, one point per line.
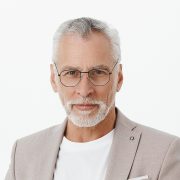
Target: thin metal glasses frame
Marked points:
59	74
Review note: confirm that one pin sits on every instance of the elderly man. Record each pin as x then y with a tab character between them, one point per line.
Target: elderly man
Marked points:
96	141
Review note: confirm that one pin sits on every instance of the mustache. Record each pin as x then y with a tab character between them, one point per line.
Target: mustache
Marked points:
83	101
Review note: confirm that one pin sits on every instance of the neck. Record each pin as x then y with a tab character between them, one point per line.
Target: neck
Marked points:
85	134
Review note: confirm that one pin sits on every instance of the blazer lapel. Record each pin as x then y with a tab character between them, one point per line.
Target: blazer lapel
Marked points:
51	152
123	149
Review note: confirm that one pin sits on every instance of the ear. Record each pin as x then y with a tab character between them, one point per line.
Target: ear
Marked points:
53	78
120	78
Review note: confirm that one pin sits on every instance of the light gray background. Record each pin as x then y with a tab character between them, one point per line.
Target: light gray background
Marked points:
150	40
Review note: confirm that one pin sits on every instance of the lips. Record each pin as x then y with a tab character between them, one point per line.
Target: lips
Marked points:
85	107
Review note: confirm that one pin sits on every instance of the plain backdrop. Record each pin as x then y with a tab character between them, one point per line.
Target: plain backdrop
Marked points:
150	44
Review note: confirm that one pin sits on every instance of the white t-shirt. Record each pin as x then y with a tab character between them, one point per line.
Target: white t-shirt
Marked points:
83	161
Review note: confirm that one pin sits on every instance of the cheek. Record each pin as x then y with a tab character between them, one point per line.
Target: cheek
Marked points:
111	95
65	94
111	91
106	93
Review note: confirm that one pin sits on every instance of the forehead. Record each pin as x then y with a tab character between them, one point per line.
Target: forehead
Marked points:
74	50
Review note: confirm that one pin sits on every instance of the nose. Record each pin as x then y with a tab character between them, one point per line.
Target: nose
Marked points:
84	87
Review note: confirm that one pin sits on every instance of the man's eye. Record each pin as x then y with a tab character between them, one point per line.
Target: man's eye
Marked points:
71	73
99	72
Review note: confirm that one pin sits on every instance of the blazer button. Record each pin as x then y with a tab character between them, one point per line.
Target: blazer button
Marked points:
132	138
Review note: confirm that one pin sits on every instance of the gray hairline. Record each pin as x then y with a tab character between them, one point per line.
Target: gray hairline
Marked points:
83	27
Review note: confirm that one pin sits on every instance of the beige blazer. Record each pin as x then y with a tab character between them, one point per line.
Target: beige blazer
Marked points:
137	153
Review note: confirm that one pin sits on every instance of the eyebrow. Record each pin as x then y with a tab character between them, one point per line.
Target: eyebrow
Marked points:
70	67
101	66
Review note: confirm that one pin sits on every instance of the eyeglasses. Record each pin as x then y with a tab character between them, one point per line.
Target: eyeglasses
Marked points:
97	76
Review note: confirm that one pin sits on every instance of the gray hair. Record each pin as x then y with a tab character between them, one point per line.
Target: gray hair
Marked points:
83	27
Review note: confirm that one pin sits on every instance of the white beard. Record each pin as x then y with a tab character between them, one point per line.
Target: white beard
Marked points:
85	118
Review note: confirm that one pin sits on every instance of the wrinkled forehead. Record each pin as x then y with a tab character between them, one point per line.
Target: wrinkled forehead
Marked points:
93	50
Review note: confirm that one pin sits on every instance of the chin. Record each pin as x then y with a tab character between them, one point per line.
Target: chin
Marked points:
90	119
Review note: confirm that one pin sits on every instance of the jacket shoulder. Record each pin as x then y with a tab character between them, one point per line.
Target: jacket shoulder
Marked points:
155	143
41	135
154	135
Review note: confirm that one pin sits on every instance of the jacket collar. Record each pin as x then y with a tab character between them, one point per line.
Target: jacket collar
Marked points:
123	149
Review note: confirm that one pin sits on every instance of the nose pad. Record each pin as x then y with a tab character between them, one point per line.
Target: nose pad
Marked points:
85	76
